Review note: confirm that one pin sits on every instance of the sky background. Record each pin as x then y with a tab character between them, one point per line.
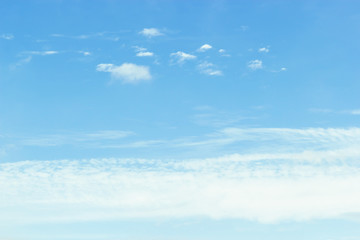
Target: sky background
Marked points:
179	120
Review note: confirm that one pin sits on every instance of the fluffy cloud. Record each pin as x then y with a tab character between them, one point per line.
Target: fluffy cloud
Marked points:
209	69
181	57
151	32
204	48
255	64
127	72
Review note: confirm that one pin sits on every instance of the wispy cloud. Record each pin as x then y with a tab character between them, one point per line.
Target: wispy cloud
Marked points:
142	52
204	48
264	49
151	32
75	138
85	53
6	36
127	72
255	64
355	112
209	116
112	36
209	69
327	110
283	69
21	62
42	53
224	53
180	57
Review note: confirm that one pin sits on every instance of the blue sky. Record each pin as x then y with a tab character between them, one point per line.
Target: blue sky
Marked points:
179	120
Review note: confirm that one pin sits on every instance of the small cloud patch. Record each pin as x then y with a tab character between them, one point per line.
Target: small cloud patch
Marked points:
204	48
151	32
209	69
255	64
181	57
127	72
142	52
264	50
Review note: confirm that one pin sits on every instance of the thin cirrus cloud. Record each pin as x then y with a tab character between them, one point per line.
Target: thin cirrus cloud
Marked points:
180	57
151	32
255	64
355	112
42	53
204	48
126	72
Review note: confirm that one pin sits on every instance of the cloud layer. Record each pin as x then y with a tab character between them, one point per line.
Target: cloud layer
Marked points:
253	187
267	185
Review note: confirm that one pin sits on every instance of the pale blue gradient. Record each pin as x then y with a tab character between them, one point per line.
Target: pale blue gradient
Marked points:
279	88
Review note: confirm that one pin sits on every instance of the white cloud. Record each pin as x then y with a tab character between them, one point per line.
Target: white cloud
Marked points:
255	64
263	187
127	72
303	174
144	54
151	32
283	69
264	49
7	36
209	69
204	48
181	57
139	49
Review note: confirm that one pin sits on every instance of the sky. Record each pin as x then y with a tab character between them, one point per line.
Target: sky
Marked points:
144	120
